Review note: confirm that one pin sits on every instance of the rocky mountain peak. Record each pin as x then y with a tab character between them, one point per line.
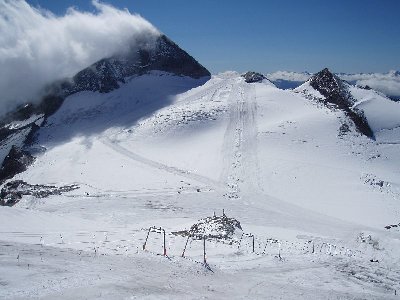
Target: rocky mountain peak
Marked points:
329	85
107	74
169	57
336	92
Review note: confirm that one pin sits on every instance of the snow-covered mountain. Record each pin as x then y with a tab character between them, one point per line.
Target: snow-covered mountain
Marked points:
106	75
297	191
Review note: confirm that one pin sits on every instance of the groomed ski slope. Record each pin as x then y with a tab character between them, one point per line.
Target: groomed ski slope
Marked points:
166	151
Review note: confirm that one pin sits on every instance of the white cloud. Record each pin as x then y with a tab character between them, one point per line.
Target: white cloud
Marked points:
387	83
37	47
289	76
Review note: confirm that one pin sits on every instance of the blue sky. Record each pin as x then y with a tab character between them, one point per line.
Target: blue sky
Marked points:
270	35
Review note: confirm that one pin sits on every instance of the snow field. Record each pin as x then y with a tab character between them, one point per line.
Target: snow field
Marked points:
167	151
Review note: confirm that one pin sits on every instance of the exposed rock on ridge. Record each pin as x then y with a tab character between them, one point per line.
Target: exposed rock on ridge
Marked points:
336	92
106	74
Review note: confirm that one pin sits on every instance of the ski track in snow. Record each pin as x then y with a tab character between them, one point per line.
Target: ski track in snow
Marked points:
184	173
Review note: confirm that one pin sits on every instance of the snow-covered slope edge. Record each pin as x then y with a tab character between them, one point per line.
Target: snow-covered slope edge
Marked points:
382	114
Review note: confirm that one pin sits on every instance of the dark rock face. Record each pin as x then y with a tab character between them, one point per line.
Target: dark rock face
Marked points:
13	191
21	113
251	77
335	92
106	74
392	226
331	87
45	108
16	161
169	57
17	136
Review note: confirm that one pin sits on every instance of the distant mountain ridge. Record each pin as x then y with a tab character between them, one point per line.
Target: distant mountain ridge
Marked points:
387	83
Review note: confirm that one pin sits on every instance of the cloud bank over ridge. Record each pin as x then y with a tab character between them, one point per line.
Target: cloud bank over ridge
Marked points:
37	47
387	83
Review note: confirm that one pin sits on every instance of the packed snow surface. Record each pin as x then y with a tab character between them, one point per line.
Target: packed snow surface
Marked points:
167	151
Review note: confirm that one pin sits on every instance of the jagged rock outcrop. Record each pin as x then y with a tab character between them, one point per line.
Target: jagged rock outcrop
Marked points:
251	77
13	191
16	161
332	88
18	133
336	92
